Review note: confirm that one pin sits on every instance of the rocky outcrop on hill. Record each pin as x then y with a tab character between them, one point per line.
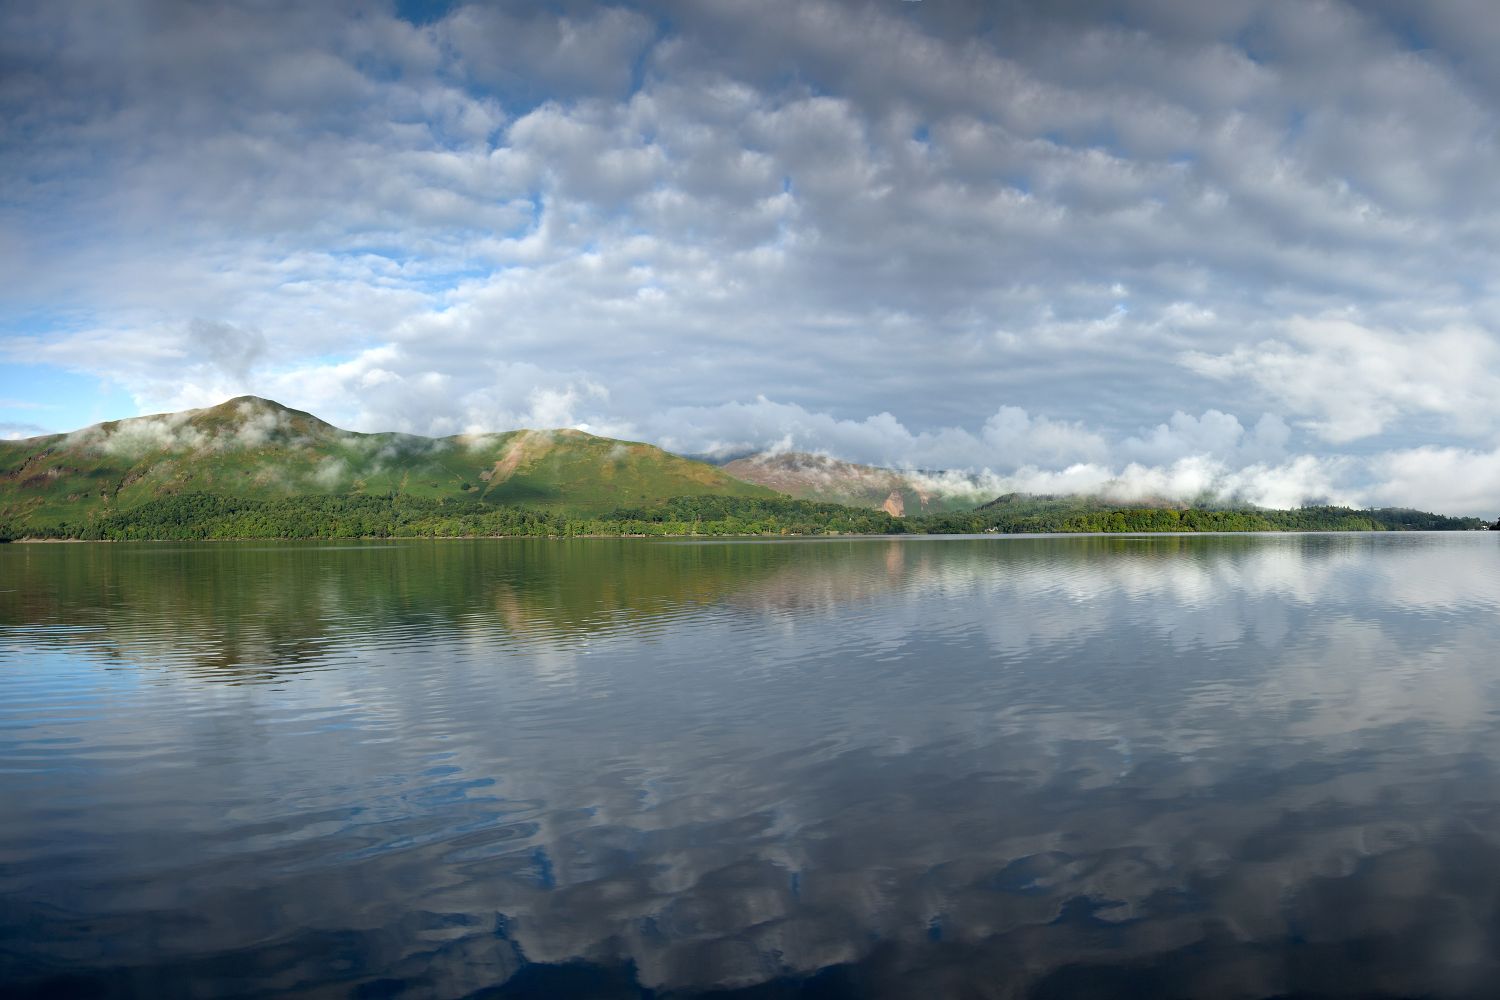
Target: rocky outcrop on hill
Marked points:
820	477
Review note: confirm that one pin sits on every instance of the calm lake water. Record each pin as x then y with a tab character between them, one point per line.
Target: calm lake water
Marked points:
1013	767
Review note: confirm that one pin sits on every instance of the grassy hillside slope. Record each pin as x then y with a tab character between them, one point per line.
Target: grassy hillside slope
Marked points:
255	448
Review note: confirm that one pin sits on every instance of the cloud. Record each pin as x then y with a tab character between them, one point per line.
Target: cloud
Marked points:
14	431
1214	434
1010	437
257	425
543	54
1208	457
133	438
233	351
1302	480
1034	237
1440	479
330	473
1352	380
1020	438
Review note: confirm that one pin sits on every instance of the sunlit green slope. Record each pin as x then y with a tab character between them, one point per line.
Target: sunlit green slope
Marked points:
254	447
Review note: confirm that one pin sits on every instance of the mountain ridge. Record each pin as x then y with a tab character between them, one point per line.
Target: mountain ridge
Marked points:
251	461
252	446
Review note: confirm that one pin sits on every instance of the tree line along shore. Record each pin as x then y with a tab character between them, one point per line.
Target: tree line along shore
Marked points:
203	516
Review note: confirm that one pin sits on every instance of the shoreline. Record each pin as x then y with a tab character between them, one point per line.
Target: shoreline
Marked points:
747	537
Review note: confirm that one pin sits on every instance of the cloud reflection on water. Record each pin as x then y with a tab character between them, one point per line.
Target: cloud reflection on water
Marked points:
1191	766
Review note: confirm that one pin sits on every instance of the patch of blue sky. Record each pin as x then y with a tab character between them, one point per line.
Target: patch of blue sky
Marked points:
1404	27
391	252
1426	431
412	267
43	321
460	139
664	29
56	399
424	11
329	359
1183	158
1104	138
450	280
1057	138
799	79
1471	284
1256	42
381	71
1296	124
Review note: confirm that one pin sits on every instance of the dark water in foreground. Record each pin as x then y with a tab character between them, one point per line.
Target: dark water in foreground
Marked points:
1206	766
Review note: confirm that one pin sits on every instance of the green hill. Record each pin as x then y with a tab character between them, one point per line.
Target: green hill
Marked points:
255	448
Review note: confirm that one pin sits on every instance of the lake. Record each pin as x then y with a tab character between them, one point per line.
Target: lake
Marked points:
1204	766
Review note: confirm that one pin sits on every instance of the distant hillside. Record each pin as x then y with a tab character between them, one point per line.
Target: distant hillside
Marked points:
255	448
1024	513
829	480
1019	504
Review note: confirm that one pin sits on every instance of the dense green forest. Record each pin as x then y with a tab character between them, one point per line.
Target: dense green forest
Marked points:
1066	516
189	516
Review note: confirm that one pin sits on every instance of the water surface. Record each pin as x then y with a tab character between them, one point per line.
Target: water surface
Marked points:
1012	767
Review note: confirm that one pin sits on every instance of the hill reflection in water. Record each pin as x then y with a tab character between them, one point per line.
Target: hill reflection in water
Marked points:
1211	766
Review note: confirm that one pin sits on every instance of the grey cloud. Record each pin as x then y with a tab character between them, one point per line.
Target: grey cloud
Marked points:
535	54
232	350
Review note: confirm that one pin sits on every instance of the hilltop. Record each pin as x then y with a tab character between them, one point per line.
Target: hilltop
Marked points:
256	448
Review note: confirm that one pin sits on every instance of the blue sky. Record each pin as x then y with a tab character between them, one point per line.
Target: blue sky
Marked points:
1241	248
